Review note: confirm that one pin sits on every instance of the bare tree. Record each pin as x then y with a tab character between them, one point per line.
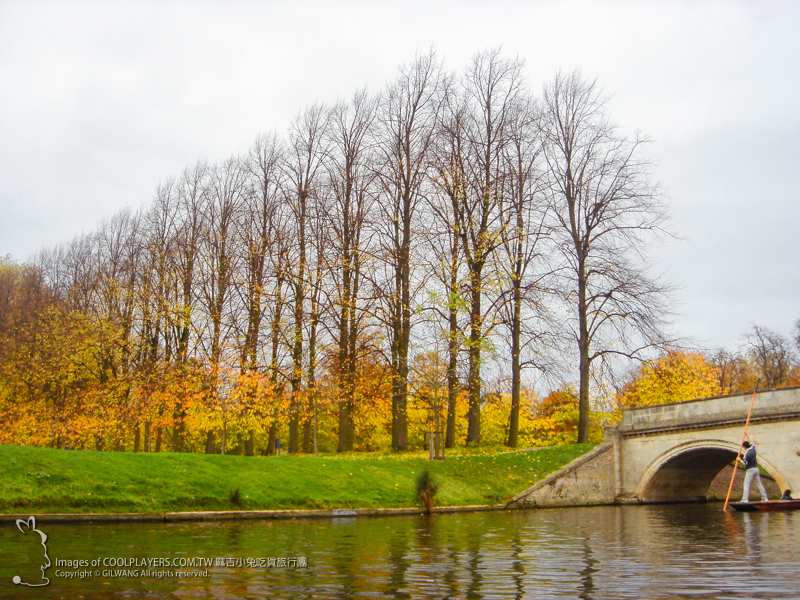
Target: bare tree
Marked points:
191	210
605	212
407	120
120	248
226	197
303	167
258	229
449	163
522	263
728	366
351	177
475	122
186	260
445	262
158	271
772	354
277	304
156	297
796	334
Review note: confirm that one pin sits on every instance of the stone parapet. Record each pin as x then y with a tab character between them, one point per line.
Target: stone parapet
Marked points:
716	412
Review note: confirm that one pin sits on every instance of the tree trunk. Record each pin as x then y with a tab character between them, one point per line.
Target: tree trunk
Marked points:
583	350
273	433
308	447
475	339
516	333
250	443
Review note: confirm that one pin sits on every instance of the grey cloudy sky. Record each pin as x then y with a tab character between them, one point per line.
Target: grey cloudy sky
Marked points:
99	101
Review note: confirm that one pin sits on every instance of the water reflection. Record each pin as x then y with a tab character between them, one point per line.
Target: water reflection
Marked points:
689	551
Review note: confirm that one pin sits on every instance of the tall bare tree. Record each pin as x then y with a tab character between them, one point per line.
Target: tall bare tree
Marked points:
522	265
449	156
605	211
303	168
186	261
407	124
477	122
156	290
192	197
226	198
351	177
258	229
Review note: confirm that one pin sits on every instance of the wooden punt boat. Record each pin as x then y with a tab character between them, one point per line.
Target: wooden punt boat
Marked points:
766	506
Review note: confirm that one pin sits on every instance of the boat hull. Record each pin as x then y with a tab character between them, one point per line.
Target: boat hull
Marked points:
766	506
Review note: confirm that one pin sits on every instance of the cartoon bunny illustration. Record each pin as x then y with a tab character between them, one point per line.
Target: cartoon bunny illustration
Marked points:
30	525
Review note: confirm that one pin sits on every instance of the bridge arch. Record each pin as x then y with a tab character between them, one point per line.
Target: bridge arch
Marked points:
685	472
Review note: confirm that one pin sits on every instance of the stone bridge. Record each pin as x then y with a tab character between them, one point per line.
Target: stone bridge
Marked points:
680	452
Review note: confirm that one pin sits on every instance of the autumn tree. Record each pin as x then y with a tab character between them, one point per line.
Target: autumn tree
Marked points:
605	212
556	416
735	372
673	377
50	359
310	271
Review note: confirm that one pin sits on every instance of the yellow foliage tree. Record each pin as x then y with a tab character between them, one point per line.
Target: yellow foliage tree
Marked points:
673	377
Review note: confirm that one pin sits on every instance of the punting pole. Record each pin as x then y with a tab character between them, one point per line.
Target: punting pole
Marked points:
744	436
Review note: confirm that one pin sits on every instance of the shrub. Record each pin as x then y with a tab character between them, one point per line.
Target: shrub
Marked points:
426	490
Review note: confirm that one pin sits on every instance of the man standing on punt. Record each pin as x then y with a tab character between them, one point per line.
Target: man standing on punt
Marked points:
751	472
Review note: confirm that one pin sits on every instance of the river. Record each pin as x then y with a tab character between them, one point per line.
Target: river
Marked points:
612	552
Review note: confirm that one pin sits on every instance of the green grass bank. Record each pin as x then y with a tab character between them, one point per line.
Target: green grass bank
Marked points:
45	480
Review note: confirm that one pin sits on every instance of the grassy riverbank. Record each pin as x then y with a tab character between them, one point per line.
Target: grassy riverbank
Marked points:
71	481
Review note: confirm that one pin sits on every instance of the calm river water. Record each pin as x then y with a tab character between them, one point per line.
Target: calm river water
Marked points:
641	552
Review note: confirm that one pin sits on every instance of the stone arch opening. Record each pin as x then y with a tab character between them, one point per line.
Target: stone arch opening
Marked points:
685	473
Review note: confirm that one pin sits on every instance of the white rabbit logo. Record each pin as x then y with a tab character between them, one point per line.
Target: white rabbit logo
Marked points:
30	524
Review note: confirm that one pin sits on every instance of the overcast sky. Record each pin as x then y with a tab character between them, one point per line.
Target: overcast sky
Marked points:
100	101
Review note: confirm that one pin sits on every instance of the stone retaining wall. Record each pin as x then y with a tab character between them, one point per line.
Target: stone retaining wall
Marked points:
587	480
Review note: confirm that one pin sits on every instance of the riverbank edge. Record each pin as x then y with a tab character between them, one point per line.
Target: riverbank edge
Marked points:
240	515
